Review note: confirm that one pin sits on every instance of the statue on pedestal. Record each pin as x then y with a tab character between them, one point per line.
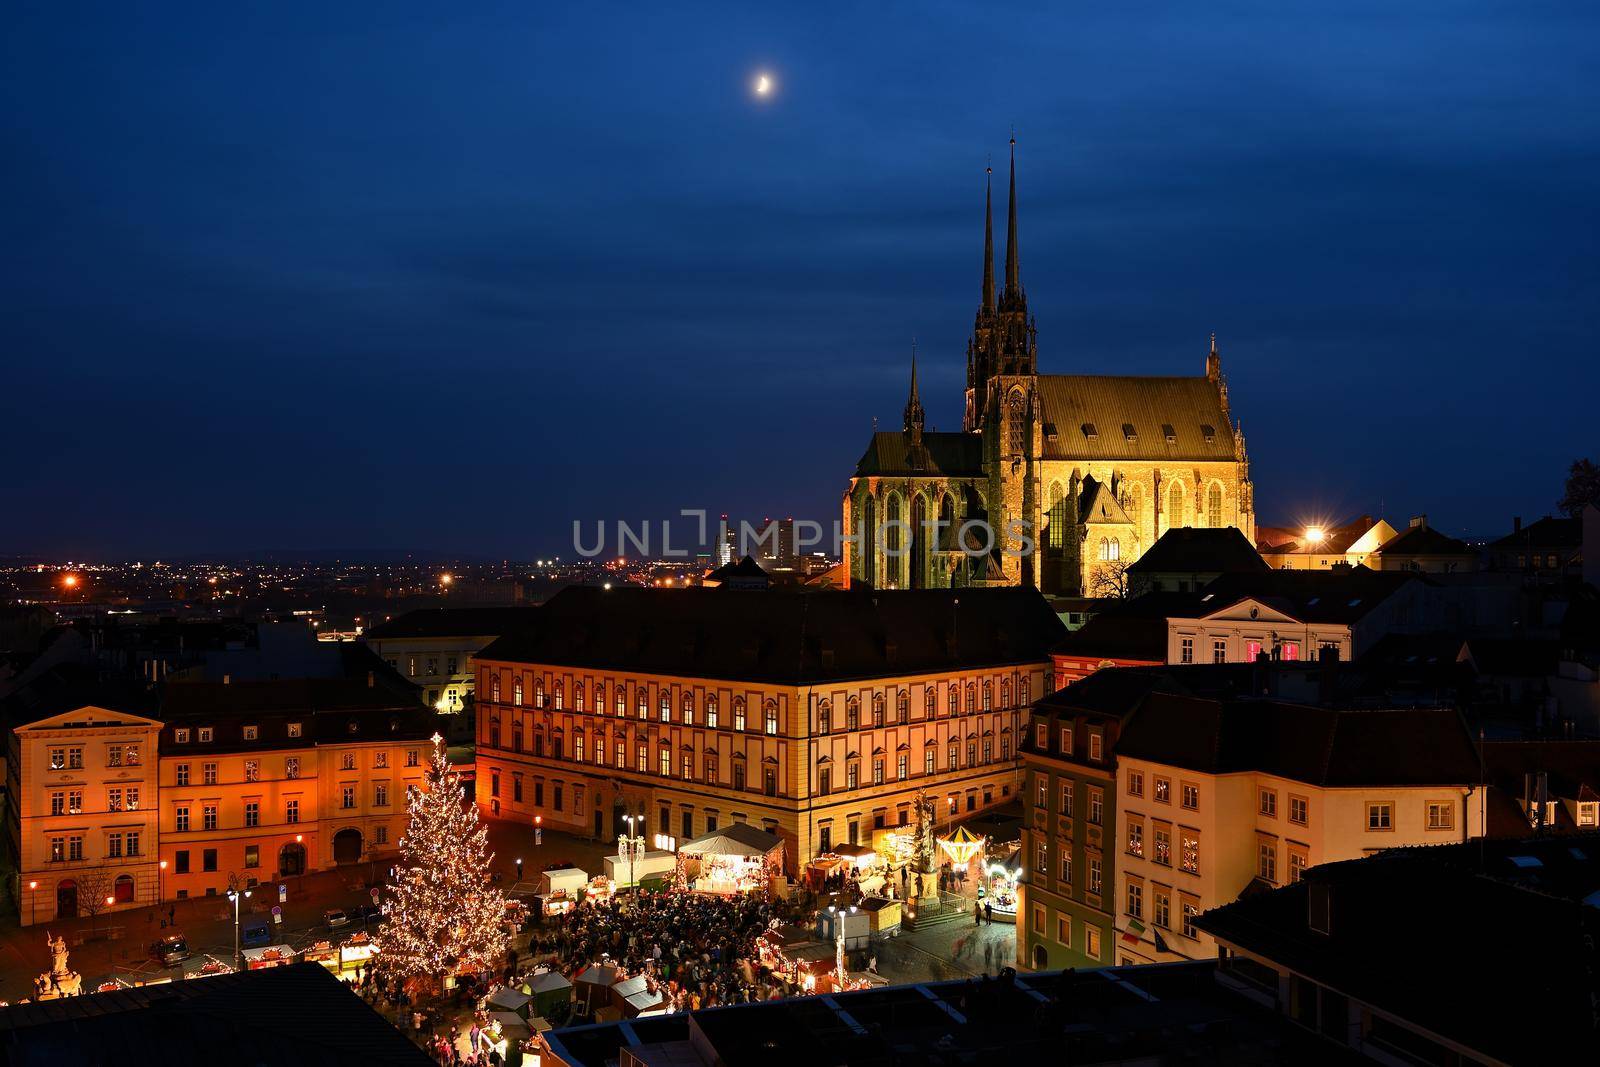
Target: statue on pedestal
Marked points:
60	980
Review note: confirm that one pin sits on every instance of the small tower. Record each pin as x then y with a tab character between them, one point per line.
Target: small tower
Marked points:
1214	361
914	415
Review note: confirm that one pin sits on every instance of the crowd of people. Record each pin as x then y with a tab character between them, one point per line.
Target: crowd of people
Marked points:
693	950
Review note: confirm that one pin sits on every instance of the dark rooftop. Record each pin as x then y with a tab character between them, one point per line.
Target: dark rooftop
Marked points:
1502	940
297	1016
1548	532
785	636
1150	1014
1424	540
1323	746
1200	550
1339	595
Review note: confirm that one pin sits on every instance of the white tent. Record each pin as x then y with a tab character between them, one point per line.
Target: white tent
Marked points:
737	839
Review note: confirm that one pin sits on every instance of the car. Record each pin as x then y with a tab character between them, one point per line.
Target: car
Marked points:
334	918
368	914
170	950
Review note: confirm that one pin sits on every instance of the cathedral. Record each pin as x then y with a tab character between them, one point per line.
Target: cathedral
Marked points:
1056	481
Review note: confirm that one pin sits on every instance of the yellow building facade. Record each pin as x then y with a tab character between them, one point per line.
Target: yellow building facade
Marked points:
82	810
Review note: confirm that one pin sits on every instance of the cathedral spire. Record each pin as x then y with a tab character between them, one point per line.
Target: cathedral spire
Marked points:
1214	361
988	239
1013	271
914	413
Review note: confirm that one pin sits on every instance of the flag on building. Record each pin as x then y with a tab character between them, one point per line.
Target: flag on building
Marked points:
1134	932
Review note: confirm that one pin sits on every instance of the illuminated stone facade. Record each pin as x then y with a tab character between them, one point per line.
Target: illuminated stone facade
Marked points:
1095	468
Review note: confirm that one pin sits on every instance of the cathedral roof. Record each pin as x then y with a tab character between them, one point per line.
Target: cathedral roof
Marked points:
1092	416
942	455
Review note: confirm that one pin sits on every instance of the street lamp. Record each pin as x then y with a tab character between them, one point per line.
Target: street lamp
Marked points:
838	941
631	847
519	869
31	899
238	957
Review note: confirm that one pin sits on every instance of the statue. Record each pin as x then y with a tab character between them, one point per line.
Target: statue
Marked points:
60	980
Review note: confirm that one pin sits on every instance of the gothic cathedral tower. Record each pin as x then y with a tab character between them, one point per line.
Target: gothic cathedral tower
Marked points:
1002	397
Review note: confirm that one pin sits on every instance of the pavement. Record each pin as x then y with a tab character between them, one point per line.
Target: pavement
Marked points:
118	942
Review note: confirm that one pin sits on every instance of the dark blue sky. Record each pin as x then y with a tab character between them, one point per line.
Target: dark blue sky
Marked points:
400	275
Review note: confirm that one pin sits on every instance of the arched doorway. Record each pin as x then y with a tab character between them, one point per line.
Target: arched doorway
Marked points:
292	860
1041	958
122	889
66	898
347	846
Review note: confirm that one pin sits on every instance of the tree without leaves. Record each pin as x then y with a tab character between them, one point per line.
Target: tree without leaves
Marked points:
1583	487
94	886
1109	580
444	915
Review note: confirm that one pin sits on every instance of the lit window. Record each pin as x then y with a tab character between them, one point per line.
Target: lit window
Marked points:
1380	817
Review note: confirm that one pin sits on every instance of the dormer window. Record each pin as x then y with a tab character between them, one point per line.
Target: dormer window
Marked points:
1209	433
1089	431
180	736
1128	432
294	729
1170	433
251	733
205	734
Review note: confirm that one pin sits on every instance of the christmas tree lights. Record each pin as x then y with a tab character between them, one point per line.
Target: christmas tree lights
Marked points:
444	914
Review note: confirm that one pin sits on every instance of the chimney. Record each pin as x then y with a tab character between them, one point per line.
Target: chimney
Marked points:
1419	520
1516	523
372	679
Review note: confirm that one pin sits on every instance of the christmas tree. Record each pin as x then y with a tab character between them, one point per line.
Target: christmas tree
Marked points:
444	915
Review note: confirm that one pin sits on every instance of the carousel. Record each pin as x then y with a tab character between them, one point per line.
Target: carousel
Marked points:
998	887
730	861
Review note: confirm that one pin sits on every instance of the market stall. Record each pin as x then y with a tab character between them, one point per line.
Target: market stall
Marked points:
509	1000
636	995
356	952
592	988
258	959
736	859
549	990
560	890
653	866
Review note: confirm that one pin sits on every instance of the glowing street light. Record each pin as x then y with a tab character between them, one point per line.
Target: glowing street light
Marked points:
1316	534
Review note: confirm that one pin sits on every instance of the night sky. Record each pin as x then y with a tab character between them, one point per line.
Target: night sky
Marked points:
362	276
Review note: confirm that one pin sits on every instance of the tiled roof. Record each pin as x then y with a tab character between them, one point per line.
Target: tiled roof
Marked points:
943	454
1520	988
785	636
1072	402
454	622
1191	550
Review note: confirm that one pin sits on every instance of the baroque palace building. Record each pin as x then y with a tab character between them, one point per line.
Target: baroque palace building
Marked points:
1092	468
815	716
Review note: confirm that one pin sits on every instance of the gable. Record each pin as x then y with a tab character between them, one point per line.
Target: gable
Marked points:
90	715
1251	609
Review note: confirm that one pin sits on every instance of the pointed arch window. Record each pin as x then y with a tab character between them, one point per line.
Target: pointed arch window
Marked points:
1175	502
1214	505
1056	519
1016	425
